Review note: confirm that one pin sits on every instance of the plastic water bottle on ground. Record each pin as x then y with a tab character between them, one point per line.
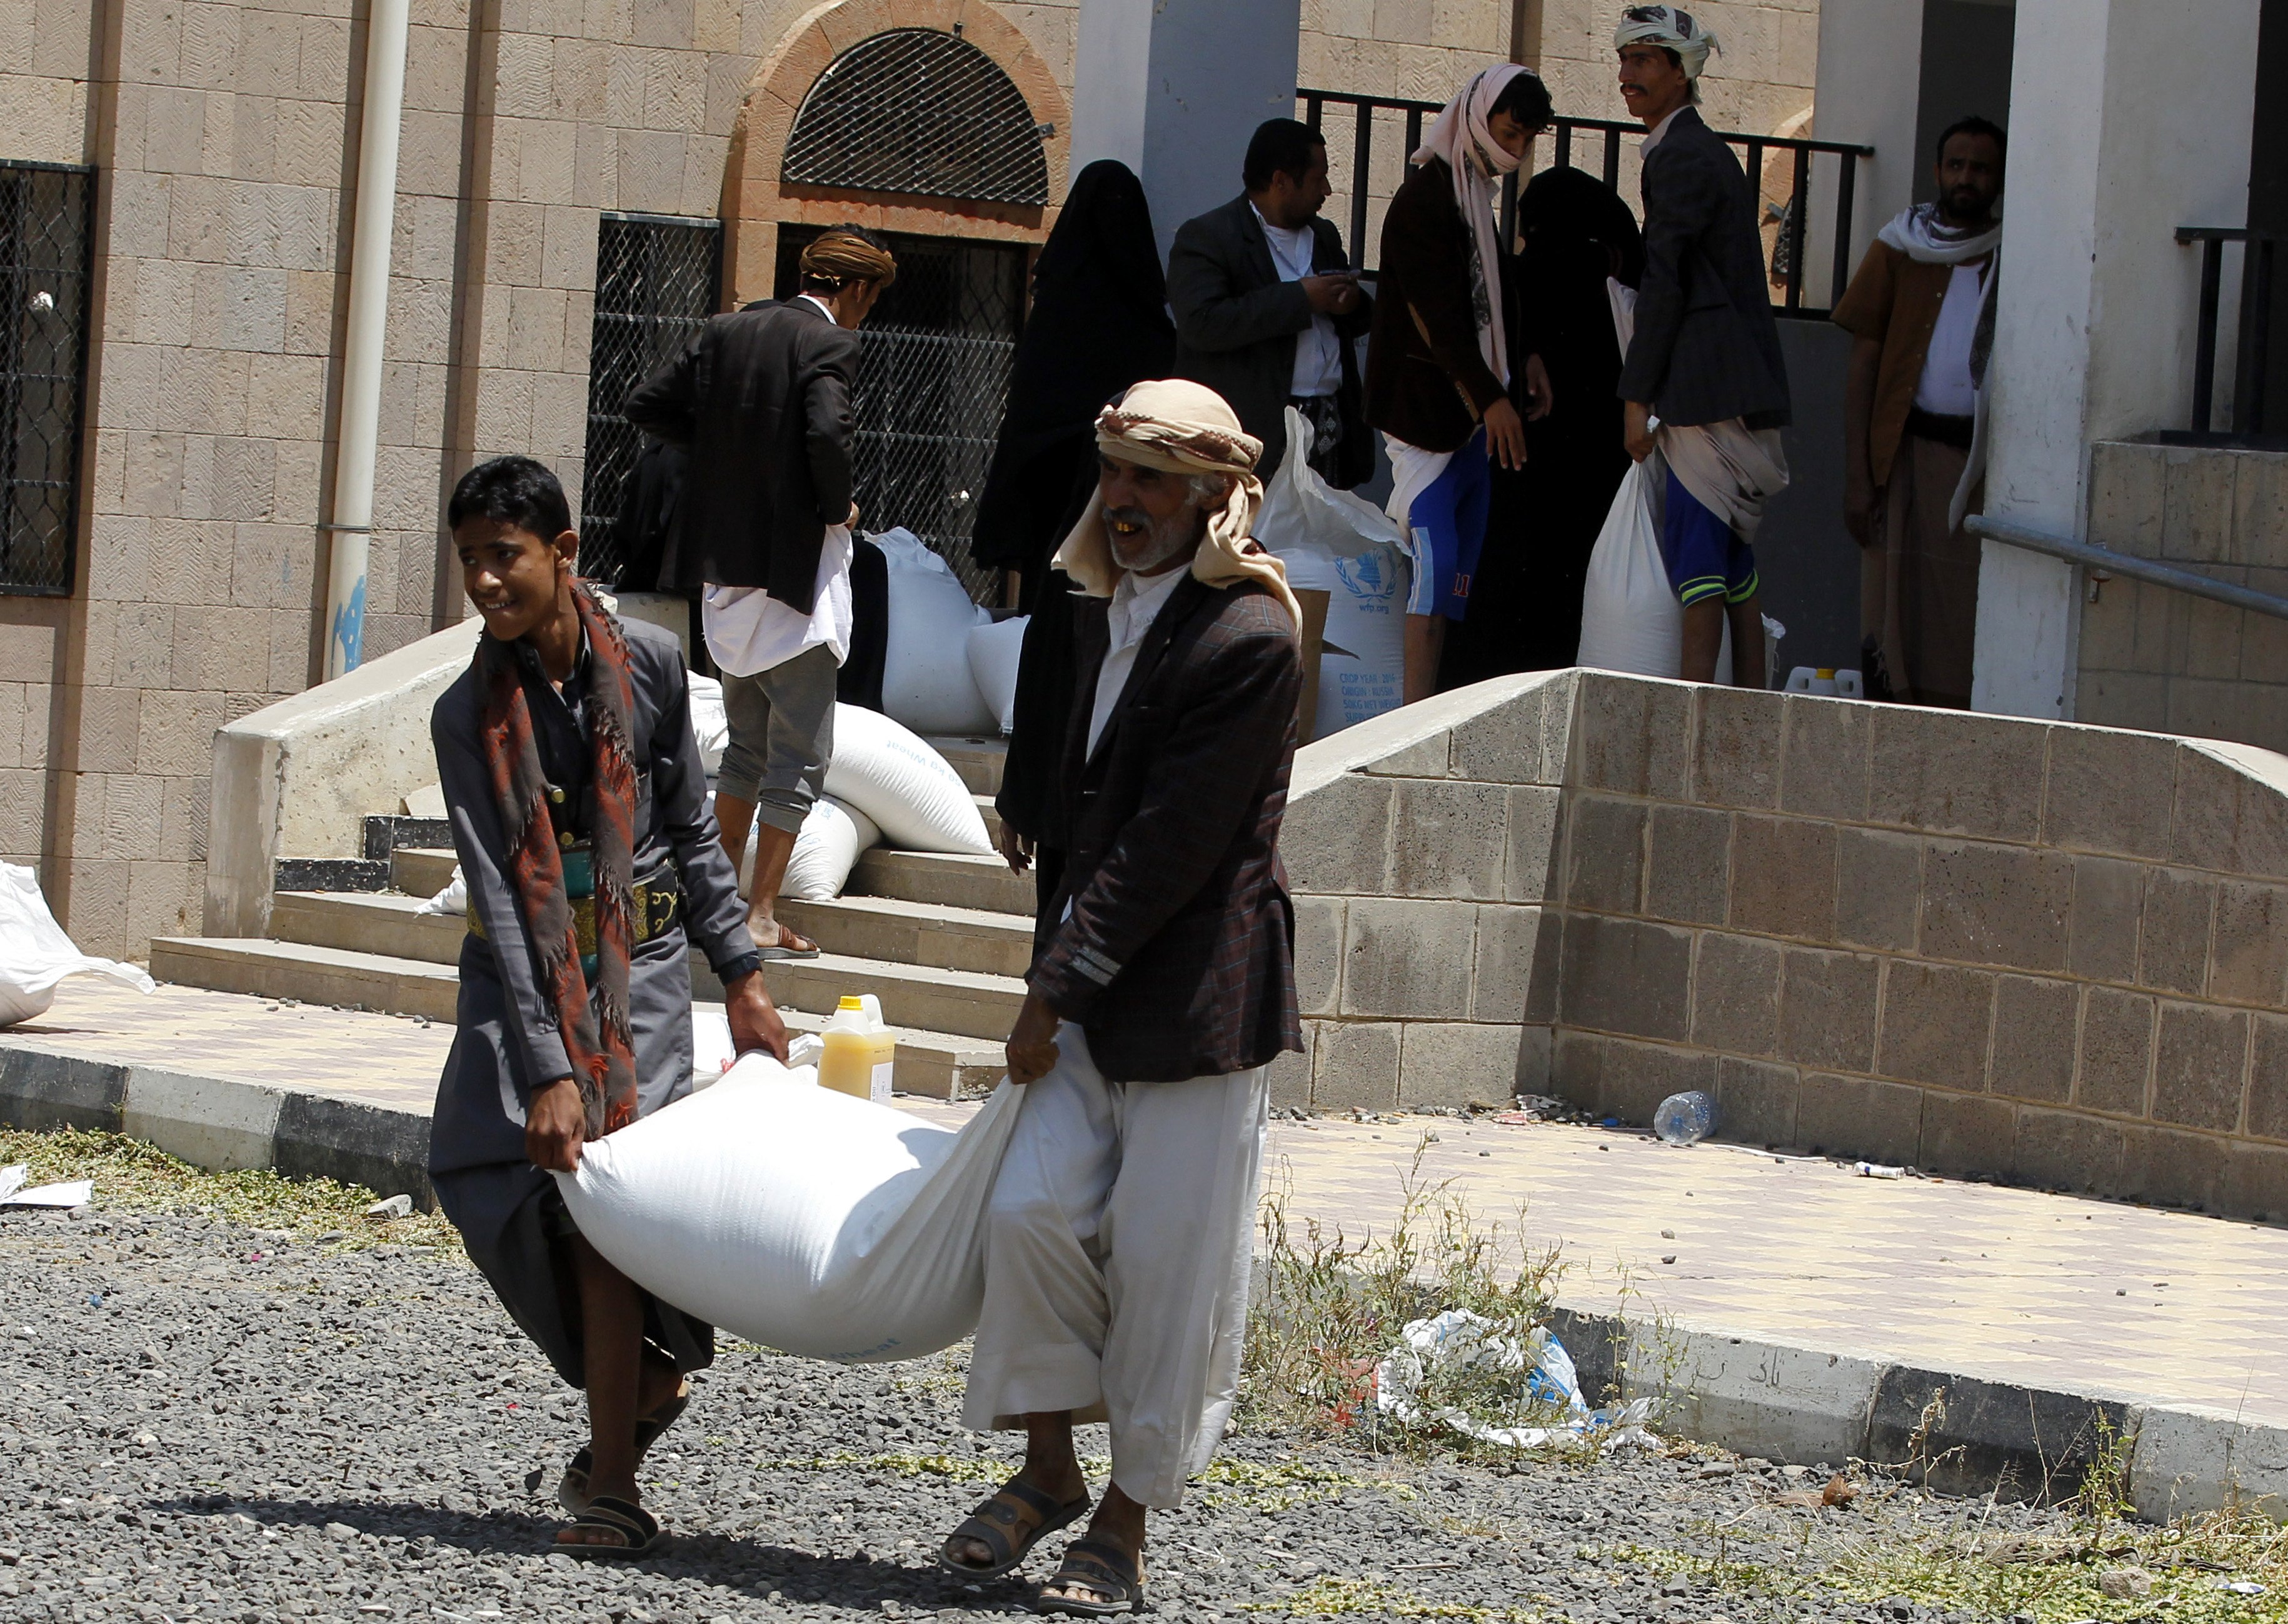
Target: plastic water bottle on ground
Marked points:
1685	1119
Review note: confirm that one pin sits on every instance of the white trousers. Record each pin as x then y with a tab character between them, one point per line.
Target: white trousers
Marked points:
1116	1254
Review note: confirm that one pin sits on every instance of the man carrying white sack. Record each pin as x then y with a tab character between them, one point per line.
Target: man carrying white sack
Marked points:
1117	1243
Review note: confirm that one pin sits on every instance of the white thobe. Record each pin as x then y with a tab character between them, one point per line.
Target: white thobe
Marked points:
1116	1255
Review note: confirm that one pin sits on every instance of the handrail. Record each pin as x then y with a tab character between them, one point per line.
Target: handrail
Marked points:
2134	568
1564	127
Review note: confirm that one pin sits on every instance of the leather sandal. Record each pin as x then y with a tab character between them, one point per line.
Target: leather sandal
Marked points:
639	1531
1098	1565
998	1525
572	1487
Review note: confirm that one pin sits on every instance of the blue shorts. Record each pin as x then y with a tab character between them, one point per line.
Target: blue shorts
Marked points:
1704	558
1446	530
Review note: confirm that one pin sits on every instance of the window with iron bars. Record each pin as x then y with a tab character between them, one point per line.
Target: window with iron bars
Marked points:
656	282
46	227
933	364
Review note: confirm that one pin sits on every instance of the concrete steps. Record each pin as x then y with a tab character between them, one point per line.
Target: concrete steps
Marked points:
943	941
939	1065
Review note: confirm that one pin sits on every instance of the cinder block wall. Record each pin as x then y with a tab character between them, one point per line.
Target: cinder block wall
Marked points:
2153	658
2054	954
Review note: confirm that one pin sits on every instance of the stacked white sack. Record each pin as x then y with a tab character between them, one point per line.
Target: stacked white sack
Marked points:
800	1218
925	681
895	777
35	953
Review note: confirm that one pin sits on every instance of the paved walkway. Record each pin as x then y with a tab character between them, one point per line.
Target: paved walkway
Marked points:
2086	1296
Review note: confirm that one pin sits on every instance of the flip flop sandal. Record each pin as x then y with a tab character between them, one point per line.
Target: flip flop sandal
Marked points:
572	1487
640	1534
993	1524
1096	1564
775	954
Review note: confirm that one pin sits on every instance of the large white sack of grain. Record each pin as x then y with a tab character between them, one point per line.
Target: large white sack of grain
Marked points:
925	681
994	649
803	1219
912	793
35	953
709	725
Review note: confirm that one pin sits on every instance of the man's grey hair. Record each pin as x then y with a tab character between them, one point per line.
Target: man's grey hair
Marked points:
1209	490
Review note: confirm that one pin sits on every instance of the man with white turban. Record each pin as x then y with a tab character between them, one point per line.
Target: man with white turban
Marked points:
1703	361
1117	1243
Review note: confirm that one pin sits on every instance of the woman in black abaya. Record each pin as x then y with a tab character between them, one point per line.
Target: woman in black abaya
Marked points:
1525	602
1099	322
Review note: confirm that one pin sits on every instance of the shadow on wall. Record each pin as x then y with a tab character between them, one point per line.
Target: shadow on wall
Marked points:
2053	954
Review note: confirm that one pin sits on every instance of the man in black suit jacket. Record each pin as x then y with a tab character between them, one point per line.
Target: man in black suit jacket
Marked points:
1706	355
1118	1241
1267	317
762	396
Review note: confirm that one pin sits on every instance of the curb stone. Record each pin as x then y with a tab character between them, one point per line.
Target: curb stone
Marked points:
1755	1397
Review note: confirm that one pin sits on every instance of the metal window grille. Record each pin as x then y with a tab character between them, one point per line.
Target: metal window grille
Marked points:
934	365
46	226
656	278
914	110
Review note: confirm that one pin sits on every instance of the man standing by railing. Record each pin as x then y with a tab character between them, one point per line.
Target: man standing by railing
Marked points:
1706	355
1922	312
1267	307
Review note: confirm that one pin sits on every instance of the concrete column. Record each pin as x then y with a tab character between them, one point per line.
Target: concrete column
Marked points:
1174	90
1866	97
2127	120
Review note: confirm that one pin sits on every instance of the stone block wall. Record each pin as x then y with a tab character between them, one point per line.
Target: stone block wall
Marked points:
2159	658
2049	952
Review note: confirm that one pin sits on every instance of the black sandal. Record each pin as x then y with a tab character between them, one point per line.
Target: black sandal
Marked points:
1095	1564
640	1531
992	1524
572	1487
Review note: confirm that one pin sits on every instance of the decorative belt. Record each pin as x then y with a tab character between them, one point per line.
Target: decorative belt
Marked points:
657	908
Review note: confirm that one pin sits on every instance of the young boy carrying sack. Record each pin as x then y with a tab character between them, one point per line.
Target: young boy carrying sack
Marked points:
579	814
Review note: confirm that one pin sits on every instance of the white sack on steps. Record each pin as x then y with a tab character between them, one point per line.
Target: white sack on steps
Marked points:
799	1218
452	900
709	725
35	953
826	849
895	777
993	653
925	681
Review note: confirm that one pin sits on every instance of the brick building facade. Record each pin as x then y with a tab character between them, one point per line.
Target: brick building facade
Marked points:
223	139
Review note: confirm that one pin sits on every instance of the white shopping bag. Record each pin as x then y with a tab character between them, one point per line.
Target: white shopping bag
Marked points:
35	953
803	1219
1630	618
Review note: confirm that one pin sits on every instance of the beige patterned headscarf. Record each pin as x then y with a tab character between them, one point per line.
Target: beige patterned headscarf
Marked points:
1181	427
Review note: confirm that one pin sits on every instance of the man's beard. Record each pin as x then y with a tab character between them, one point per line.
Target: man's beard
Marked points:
1970	208
1157	541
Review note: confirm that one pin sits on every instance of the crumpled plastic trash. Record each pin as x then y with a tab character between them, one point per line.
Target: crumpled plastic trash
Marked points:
1460	1339
77	1193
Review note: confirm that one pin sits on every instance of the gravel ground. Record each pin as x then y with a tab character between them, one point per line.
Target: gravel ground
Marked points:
199	1420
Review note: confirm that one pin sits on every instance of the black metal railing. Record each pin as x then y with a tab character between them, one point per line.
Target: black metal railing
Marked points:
2252	338
47	227
1606	137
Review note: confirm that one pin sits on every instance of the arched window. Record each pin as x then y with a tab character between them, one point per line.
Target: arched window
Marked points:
917	111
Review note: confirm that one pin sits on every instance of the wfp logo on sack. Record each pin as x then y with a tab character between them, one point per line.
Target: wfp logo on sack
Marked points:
1370	578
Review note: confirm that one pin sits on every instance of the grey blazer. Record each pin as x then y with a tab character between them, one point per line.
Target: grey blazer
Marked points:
1237	324
1706	347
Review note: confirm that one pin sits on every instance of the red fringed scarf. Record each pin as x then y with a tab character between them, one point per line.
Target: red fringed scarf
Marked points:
593	1018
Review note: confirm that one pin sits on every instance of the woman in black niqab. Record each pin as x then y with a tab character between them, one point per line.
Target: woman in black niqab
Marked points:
1525	603
1099	323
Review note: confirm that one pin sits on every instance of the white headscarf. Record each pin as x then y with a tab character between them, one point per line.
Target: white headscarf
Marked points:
1181	427
1461	138
1666	26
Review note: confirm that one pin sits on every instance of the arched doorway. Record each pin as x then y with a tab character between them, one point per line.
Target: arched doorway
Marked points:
949	135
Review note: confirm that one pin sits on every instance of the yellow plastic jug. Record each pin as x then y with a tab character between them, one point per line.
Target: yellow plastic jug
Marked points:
861	1056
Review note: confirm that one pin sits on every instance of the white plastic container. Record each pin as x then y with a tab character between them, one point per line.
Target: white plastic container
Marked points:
860	1055
1826	681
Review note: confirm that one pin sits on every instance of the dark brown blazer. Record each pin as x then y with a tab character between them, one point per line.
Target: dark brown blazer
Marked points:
1179	959
761	398
1425	381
